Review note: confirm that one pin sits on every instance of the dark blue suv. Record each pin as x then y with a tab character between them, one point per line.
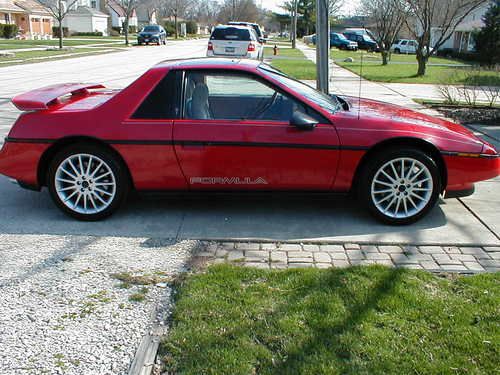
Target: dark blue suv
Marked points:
340	41
363	40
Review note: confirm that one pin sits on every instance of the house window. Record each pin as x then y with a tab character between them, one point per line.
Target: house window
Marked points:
93	4
7	18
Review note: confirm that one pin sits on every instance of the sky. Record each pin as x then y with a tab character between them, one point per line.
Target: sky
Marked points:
348	8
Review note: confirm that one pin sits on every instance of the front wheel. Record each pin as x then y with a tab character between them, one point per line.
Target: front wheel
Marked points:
87	182
400	186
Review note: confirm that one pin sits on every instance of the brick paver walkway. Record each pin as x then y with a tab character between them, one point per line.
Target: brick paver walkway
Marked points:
296	255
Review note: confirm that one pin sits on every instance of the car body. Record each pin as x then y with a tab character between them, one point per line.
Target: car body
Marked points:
235	125
258	30
152	34
364	41
234	41
407	46
340	41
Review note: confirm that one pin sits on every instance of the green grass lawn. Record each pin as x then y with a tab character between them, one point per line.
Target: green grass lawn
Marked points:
359	320
6	44
434	74
292	62
368	57
28	56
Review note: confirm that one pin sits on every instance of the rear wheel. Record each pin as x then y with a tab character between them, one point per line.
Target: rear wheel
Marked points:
400	186
87	182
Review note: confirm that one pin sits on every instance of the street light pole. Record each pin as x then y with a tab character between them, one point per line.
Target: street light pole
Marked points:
322	45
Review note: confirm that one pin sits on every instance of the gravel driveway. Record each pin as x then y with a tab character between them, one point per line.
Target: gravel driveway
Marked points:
63	308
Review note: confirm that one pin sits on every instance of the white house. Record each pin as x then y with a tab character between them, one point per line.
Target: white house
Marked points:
84	17
462	40
146	15
117	13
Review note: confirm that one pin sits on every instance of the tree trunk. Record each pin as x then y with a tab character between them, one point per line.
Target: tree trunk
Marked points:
175	25
60	35
385	57
125	27
422	63
60	19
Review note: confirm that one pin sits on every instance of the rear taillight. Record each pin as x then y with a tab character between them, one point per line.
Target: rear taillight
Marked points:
210	46
251	47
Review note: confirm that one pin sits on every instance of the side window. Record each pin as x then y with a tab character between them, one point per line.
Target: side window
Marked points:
235	96
404	42
161	102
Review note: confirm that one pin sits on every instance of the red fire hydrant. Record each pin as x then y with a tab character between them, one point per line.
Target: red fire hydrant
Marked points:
275	50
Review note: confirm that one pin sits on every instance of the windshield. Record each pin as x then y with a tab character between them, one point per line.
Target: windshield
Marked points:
151	29
327	102
341	36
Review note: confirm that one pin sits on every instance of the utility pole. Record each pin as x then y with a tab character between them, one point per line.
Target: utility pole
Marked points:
233	16
322	45
294	23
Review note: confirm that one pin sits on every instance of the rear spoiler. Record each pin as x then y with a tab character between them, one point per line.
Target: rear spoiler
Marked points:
40	99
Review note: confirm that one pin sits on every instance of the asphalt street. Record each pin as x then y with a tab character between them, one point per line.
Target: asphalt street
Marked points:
473	220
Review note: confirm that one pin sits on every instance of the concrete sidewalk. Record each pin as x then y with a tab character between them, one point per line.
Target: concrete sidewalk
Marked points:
345	82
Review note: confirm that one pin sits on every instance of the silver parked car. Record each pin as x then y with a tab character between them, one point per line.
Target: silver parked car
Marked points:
234	41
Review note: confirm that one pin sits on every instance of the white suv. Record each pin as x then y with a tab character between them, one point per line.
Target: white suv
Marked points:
234	41
404	46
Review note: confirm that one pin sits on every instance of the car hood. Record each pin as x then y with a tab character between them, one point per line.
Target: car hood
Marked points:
149	34
404	116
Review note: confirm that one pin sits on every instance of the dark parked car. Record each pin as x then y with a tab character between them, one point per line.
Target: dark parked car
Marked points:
363	40
340	41
152	34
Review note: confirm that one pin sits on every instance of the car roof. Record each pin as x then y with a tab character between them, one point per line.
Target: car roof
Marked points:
242	27
242	23
210	63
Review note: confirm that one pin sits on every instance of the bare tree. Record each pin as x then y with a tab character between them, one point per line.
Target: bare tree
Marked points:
433	22
129	7
176	9
334	6
59	9
238	10
388	16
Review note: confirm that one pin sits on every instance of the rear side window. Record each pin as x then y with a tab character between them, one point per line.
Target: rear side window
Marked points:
230	33
161	103
257	30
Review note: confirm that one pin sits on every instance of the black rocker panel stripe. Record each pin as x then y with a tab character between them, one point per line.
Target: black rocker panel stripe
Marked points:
203	143
240	144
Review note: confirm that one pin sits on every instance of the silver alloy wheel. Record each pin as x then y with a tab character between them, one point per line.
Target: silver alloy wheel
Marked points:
85	184
402	187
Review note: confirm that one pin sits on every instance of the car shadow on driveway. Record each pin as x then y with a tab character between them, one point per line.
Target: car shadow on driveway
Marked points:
276	218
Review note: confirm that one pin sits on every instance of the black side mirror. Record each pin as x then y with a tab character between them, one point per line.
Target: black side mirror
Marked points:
303	121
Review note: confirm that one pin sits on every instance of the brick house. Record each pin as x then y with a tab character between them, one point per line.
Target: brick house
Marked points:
32	18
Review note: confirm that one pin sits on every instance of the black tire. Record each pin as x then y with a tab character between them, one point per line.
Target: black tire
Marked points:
377	162
397	51
116	167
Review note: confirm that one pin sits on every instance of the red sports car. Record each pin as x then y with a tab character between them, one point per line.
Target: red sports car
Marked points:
217	124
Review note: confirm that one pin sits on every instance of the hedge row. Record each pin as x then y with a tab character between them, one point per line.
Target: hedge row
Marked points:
90	33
